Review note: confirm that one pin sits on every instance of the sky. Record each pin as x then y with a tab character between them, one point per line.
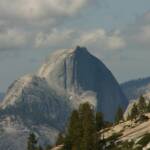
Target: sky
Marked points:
116	31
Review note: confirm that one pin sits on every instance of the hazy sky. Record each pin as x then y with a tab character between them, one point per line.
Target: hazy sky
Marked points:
116	31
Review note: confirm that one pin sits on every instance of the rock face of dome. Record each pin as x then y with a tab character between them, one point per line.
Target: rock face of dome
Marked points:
84	78
43	102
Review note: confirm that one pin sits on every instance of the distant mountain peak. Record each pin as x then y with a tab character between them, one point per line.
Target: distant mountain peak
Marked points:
134	88
43	102
16	89
81	49
76	72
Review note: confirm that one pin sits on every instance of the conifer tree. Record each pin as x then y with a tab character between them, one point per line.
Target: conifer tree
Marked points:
89	139
32	142
148	107
142	105
48	147
134	112
74	135
39	148
99	121
82	129
119	115
60	139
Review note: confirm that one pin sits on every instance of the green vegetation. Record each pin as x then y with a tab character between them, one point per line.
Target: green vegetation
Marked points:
114	137
60	139
119	115
142	118
48	147
99	121
82	129
32	143
148	107
73	137
139	109
126	145
113	143
142	107
134	112
144	140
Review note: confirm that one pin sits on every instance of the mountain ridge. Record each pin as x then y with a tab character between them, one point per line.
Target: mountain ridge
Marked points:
76	71
133	89
42	102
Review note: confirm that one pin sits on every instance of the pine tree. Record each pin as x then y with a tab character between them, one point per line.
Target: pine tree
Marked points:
89	139
119	115
74	135
60	139
148	107
48	147
82	129
142	105
134	112
32	142
39	148
99	121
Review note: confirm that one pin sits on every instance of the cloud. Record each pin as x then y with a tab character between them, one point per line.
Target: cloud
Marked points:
133	37
143	36
39	10
102	39
24	23
34	23
137	35
55	38
12	39
98	39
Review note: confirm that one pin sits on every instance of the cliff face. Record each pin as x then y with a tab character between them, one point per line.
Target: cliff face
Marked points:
30	105
42	102
84	78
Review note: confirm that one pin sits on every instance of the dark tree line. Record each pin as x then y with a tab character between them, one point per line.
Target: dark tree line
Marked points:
81	132
32	143
82	129
84	126
119	115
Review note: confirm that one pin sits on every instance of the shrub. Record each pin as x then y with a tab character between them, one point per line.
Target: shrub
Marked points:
144	140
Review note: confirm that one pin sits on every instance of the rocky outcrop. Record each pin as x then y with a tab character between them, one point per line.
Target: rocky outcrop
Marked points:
42	103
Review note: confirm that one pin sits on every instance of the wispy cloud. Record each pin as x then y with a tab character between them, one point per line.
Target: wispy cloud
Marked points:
137	35
102	39
29	22
12	39
39	9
